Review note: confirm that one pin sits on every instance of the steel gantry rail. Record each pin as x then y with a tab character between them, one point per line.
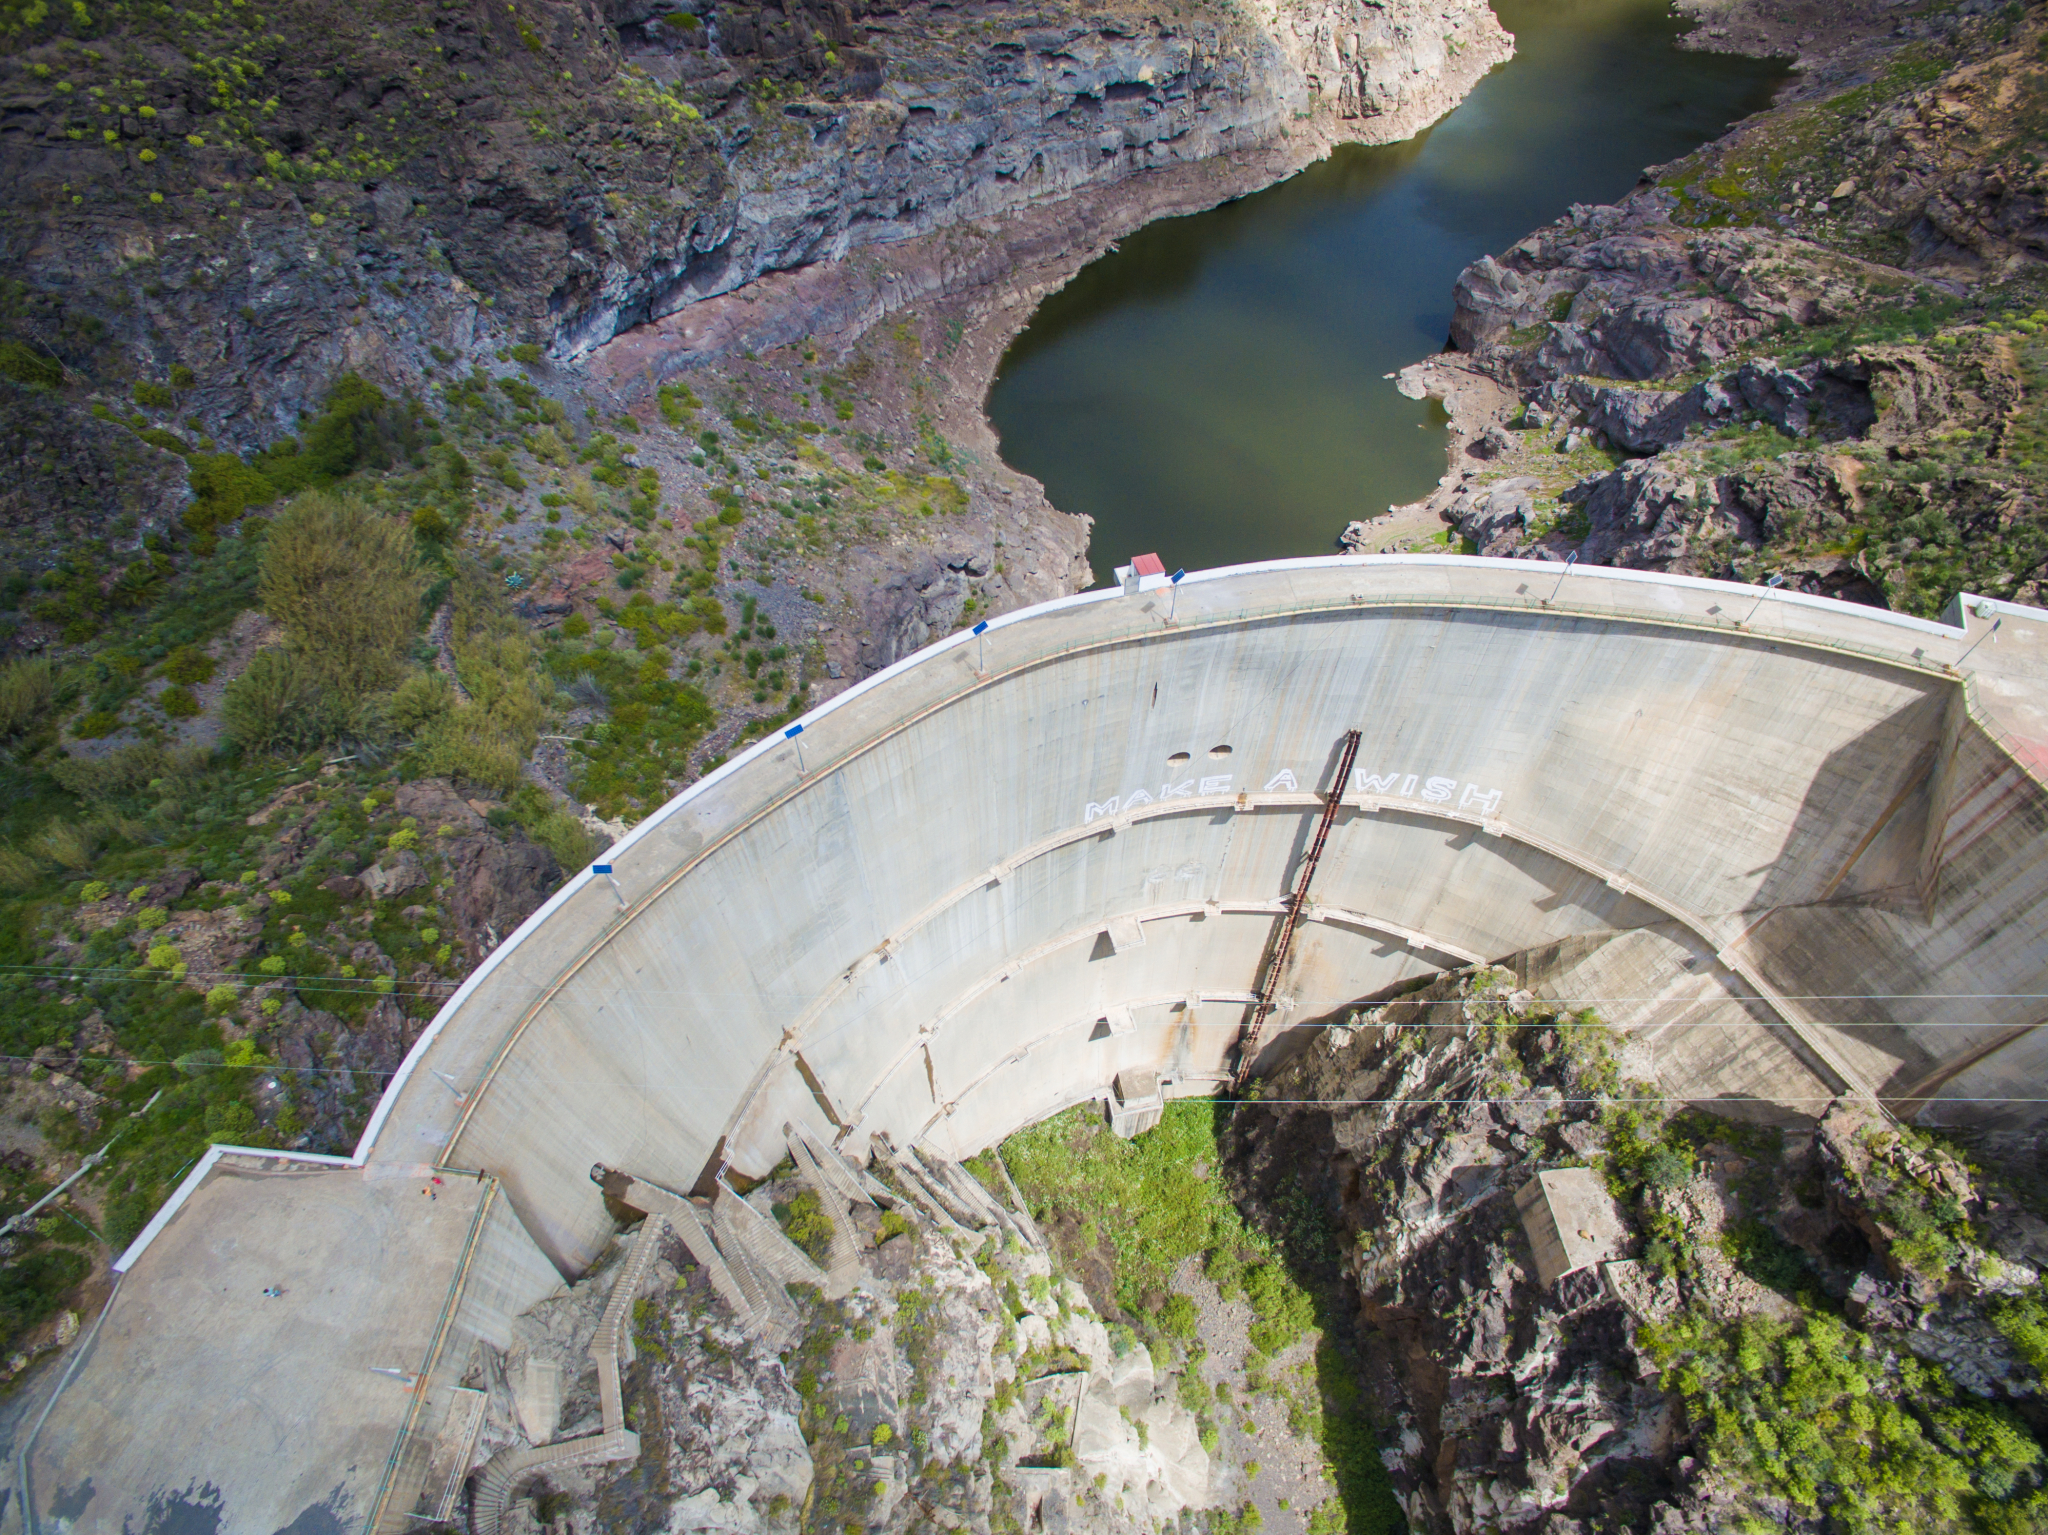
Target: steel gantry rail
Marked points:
1297	904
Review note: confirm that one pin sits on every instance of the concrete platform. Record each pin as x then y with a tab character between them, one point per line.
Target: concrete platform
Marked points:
203	1404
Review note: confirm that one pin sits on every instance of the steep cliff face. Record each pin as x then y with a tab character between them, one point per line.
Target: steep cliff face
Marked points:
268	201
979	113
1725	1326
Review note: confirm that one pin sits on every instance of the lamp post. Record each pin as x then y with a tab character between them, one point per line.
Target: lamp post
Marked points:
1980	639
1769	585
1569	561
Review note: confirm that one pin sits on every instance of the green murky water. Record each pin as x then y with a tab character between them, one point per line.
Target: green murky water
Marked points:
1215	390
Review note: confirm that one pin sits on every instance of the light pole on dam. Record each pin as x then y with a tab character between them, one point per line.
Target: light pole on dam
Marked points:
1798	850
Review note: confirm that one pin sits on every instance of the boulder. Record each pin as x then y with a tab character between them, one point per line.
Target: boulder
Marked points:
394	874
497	886
1642	515
1494	517
171	888
1638	420
434	803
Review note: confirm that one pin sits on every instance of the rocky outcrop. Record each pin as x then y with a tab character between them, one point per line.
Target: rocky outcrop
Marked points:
1881	205
1588	1402
1494	519
956	1381
1508	1400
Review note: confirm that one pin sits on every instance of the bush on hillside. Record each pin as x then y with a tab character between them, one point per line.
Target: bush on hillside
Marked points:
420	700
275	705
359	427
551	826
25	365
465	746
346	583
223	487
188	664
485	740
115	776
28	688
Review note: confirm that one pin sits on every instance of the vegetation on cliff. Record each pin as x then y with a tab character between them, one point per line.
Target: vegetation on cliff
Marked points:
1840	1326
1150	1228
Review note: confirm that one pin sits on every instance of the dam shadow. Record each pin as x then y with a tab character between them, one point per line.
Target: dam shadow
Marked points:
1835	921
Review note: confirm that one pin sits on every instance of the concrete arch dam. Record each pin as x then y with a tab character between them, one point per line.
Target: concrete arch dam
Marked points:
1777	838
1793	848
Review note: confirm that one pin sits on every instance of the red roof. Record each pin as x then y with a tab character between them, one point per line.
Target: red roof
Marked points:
1148	565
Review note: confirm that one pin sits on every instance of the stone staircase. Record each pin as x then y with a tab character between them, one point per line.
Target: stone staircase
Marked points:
749	1264
609	1349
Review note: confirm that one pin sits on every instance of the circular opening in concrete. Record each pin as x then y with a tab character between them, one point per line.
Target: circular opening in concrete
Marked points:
1219	751
1178	759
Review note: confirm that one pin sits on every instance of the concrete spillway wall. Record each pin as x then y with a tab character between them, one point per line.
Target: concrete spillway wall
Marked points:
979	886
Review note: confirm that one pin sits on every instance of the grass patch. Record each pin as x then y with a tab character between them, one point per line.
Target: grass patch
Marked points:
1158	1200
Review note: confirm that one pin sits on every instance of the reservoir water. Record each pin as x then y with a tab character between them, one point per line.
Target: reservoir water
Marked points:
1215	389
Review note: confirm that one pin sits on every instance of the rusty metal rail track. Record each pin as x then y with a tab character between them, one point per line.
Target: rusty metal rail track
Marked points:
1297	903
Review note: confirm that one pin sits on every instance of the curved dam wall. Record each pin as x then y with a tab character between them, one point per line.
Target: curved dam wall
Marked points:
1786	842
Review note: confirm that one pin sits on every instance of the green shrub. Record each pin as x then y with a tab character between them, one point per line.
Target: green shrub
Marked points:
554	828
25	365
96	724
28	688
892	1224
359	427
1178	1318
35	1287
1281	1310
465	745
346	584
1641	1153
118	774
419	701
95	890
274	705
180	703
72	845
806	1223
188	664
163	955
222	997
154	396
18	870
1835	1422
223	487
